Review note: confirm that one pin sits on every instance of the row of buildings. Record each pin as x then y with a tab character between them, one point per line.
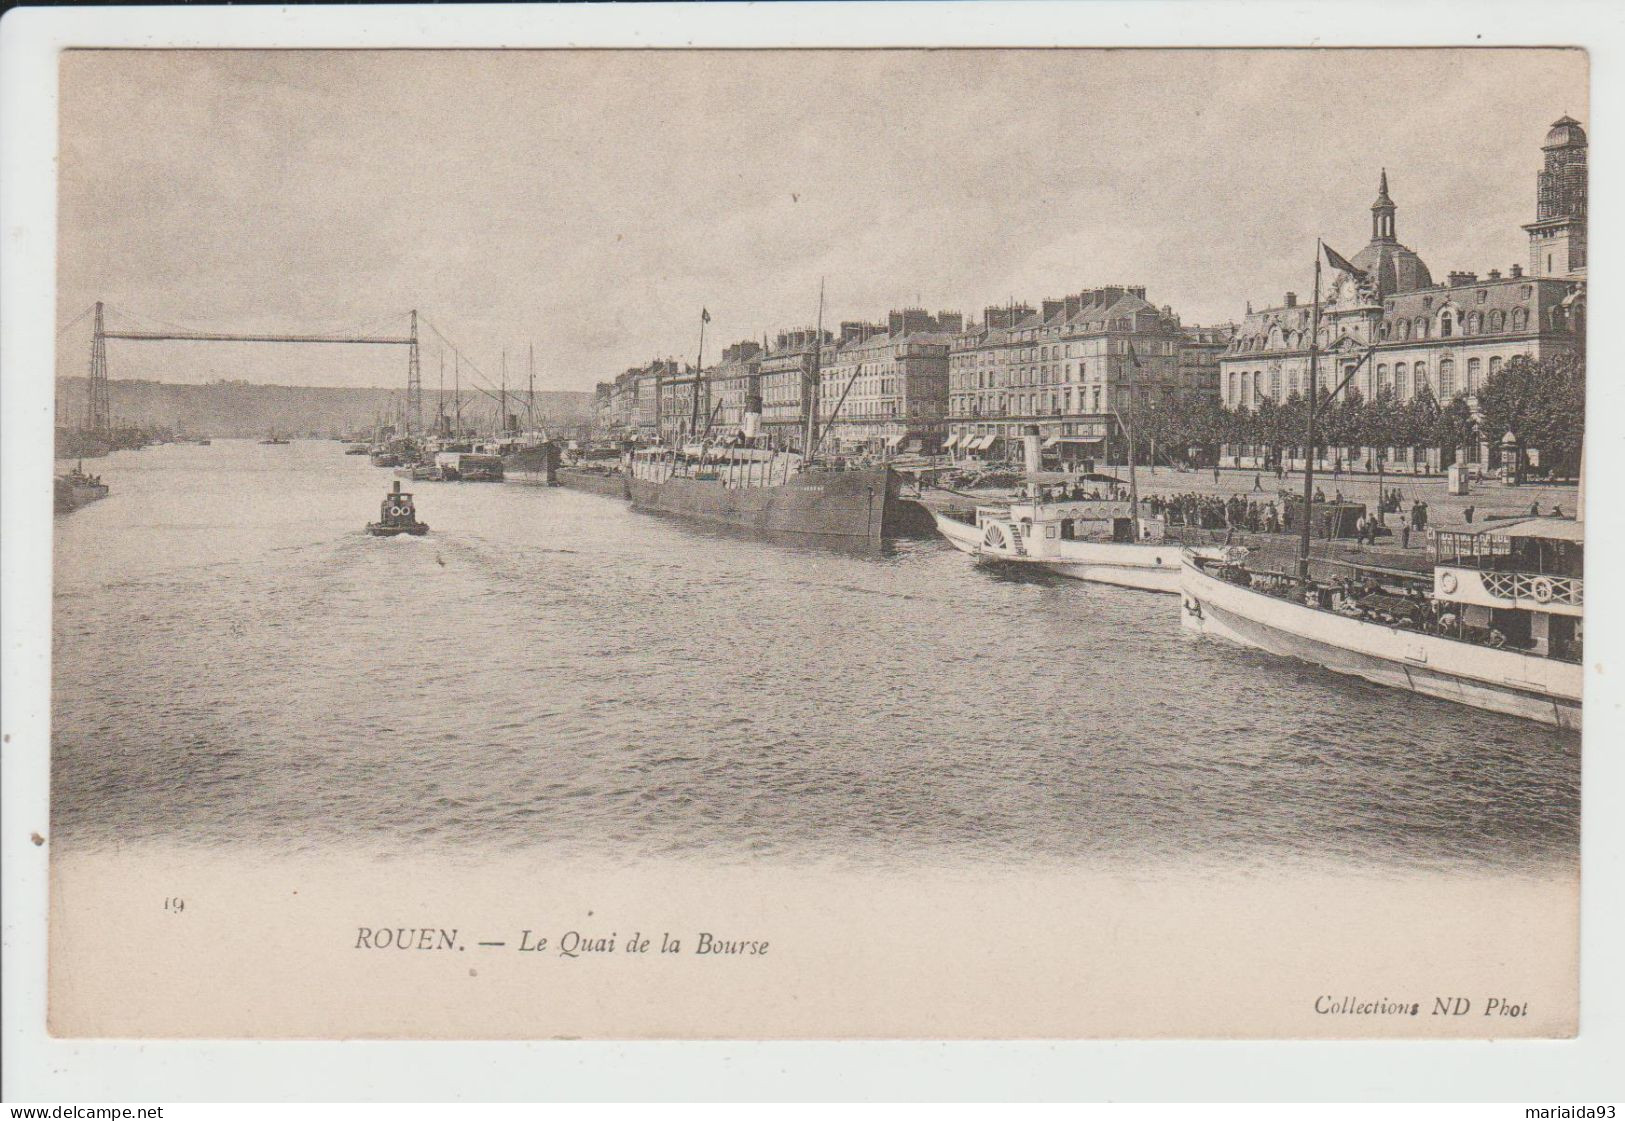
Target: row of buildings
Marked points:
928	382
1075	365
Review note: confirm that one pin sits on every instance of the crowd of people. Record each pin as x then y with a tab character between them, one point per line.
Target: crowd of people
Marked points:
1212	511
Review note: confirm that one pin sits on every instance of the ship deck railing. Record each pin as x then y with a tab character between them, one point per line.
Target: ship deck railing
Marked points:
1397	612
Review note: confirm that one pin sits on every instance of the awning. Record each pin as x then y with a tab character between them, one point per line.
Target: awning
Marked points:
893	441
950	441
1081	439
1052	441
1551	529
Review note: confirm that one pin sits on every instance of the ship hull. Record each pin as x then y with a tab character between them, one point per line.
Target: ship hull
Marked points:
607	483
1149	568
71	496
537	466
1504	681
848	506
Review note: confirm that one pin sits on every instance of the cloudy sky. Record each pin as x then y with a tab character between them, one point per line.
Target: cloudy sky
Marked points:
590	203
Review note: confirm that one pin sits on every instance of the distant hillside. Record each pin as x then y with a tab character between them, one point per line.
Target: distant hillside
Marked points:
236	408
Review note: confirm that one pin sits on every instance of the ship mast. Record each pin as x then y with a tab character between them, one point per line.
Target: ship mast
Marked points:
1309	444
809	393
694	390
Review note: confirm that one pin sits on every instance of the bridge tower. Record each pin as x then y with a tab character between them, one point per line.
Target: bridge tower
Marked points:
99	410
414	383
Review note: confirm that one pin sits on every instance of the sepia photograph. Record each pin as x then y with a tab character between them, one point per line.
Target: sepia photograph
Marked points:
818	544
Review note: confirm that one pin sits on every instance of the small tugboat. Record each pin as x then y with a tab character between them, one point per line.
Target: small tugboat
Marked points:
396	516
76	489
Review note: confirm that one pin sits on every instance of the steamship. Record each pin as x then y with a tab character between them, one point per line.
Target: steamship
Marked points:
734	482
767	491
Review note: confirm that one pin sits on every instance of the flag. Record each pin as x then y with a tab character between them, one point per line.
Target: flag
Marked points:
1338	261
705	316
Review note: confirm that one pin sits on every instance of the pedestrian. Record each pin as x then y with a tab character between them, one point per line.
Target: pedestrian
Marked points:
1557	511
1215	472
1468	515
1534	509
1404	537
1258	481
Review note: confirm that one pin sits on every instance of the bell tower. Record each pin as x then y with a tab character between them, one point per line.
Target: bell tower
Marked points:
1382	212
1557	236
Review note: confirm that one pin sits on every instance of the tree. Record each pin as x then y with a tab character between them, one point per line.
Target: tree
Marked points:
1456	427
1542	403
1419	419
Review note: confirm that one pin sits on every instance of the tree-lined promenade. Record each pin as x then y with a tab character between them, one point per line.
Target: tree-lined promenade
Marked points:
1541	403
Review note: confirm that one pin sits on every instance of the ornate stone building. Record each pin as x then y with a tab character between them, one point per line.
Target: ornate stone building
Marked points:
1397	331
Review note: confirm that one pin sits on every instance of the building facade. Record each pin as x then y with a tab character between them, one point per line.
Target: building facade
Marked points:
1074	367
885	388
1388	328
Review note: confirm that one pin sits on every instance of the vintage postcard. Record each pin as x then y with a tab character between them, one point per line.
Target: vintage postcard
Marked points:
798	544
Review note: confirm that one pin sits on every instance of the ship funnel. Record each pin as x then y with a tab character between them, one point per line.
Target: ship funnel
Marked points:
752	425
1033	452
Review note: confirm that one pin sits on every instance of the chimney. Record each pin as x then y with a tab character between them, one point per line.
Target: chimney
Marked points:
1291	299
1517	271
950	321
1074	304
1138	293
851	329
1461	279
1495	274
1052	308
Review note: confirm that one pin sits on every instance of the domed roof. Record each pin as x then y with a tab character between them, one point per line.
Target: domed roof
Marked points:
1393	267
1566	133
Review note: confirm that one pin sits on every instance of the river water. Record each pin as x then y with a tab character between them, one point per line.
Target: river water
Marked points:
238	666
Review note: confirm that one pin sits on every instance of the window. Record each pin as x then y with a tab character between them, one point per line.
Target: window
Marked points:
1520	319
1399	380
1498	321
1495	365
1483	294
1421	327
1421	375
1275	384
1446	327
1447	379
1475	323
1246	384
1472	375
